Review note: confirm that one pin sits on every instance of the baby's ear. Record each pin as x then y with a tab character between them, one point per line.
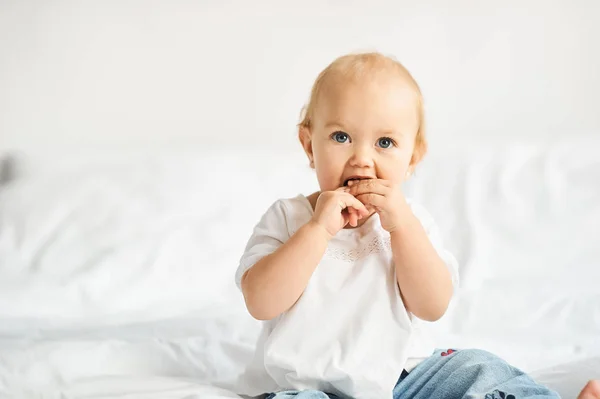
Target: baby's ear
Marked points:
416	157
305	137
414	160
412	165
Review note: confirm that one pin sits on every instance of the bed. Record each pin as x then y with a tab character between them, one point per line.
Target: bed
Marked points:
116	270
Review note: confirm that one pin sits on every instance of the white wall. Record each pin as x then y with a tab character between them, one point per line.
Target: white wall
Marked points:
152	73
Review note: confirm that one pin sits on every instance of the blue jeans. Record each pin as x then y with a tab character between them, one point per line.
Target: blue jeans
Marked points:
455	374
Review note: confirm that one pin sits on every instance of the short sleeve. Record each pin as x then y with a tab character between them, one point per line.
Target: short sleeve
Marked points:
435	236
268	235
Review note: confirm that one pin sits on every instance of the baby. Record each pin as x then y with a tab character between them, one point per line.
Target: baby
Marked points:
345	277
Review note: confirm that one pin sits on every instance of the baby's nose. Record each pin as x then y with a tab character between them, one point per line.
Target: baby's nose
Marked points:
362	157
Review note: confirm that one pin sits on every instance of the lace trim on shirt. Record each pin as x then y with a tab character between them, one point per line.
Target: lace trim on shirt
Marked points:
375	246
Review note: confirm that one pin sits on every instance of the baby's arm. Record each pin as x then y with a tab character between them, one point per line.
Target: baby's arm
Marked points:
423	277
274	283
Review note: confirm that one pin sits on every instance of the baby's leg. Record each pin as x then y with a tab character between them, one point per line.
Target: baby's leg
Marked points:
591	390
469	374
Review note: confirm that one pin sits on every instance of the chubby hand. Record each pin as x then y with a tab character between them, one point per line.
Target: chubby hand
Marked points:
384	198
335	209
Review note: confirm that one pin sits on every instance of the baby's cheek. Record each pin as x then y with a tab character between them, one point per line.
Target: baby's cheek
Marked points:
394	175
327	180
396	171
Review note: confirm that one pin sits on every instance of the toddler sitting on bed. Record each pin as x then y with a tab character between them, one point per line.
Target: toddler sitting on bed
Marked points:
344	277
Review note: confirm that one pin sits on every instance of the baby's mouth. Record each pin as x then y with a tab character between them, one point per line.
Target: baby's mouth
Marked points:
354	179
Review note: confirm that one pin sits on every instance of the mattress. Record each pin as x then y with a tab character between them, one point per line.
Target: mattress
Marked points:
116	272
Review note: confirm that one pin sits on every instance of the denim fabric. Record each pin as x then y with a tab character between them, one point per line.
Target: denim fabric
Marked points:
455	374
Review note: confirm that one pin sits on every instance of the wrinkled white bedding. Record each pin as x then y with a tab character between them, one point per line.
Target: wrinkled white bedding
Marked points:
131	387
116	273
175	356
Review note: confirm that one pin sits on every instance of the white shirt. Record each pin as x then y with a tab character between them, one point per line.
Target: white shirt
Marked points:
349	333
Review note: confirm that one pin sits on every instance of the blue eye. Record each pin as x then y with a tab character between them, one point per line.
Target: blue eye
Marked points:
340	137
385	142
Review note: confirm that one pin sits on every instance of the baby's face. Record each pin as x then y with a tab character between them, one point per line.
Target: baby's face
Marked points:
363	130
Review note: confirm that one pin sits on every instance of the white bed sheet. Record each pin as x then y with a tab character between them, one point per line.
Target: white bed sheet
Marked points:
568	378
130	387
176	357
118	273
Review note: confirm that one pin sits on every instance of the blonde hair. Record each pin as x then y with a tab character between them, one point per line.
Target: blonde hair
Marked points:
354	67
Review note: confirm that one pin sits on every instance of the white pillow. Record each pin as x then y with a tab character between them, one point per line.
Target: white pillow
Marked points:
132	238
